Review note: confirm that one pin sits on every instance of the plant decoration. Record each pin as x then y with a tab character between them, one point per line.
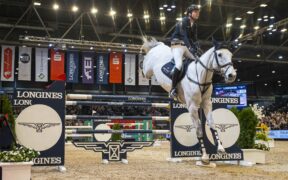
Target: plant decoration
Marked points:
248	122
6	109
116	136
18	154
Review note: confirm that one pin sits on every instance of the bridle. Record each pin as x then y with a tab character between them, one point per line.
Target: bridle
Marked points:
206	84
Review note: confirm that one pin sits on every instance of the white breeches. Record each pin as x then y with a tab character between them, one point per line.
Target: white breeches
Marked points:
179	52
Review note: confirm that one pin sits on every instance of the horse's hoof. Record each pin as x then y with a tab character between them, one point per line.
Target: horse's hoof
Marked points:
209	165
205	159
220	150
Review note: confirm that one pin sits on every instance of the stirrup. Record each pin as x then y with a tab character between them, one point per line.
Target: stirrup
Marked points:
173	94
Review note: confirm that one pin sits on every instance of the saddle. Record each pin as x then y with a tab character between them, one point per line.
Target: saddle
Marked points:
168	67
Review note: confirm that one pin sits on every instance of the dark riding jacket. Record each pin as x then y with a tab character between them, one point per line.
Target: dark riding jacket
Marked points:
186	33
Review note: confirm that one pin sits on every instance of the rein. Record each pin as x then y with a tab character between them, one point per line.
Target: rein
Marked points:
206	84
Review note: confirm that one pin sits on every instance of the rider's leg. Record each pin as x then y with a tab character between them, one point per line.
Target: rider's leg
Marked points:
177	52
207	107
199	132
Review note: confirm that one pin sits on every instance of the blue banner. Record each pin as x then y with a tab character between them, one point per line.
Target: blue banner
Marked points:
87	67
102	68
278	134
72	66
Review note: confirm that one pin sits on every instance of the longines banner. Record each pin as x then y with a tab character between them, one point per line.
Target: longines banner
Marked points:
87	67
57	65
115	70
102	68
24	64
130	63
41	64
142	81
184	142
7	63
72	67
40	125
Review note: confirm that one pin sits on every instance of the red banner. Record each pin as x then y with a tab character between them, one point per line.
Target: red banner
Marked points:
115	68
7	73
57	65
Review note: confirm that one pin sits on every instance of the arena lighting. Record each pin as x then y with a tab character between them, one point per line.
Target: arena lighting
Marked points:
72	47
74	8
39	44
50	45
165	5
229	25
259	19
238	79
161	8
258	55
279	81
37	4
279	85
129	15
280	57
243	26
169	9
272	17
91	48
94	10
256	27
250	12
270	33
273	72
274	29
283	30
258	75
239	61
173	6
112	12
146	16
162	18
55	6
179	19
269	29
265	16
271	25
238	18
265	20
265	84
263	5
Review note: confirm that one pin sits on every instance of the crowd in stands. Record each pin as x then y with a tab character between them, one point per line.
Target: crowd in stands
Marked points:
276	116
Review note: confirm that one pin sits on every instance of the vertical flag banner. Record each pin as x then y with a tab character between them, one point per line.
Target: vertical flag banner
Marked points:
41	64
130	63
24	64
72	66
115	71
102	68
87	67
154	81
142	81
57	65
7	63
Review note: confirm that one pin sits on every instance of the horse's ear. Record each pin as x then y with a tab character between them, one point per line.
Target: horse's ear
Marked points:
144	39
215	43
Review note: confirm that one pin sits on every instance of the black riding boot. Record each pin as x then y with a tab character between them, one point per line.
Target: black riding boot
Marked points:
173	92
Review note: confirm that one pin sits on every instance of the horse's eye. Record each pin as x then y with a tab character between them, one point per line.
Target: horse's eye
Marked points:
220	55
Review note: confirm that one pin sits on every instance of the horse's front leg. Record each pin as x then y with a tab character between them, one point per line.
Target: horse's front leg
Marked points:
193	110
207	107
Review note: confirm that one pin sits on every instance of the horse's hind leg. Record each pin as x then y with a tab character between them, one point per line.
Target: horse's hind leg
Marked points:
207	107
193	110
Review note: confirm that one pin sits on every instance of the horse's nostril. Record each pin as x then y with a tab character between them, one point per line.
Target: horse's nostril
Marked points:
230	75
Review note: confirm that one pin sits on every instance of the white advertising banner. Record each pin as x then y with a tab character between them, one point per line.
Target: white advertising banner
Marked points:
130	68
41	64
24	64
142	81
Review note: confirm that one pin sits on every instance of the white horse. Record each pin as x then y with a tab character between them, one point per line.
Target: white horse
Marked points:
195	88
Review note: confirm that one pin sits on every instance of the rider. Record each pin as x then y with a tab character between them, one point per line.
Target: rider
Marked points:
183	43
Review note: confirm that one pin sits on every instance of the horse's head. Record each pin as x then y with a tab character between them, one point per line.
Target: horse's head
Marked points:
223	61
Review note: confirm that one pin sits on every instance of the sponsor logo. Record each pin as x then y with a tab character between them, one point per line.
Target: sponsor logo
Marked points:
47	160
88	68
188	128
101	69
224	156
227	126
24	58
41	76
39	126
179	106
72	67
223	127
115	60
225	100
113	151
57	56
7	73
39	95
